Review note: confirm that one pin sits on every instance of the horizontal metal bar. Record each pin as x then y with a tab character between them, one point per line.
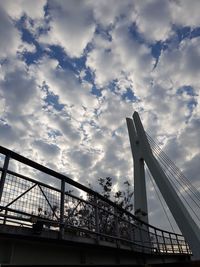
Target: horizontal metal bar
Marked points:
115	238
85	231
25	192
44	169
14	218
25	214
32	180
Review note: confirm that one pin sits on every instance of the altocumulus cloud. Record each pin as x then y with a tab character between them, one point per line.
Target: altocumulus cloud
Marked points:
72	70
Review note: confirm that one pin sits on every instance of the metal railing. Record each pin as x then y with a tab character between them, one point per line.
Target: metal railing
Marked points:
27	202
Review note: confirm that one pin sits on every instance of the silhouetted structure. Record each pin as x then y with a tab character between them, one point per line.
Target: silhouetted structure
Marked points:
52	219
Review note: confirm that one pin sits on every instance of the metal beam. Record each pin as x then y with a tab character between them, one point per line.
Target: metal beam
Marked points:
187	225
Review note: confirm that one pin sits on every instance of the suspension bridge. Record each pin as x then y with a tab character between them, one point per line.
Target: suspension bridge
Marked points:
48	218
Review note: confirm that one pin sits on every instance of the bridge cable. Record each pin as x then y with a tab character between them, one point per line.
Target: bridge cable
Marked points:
188	185
183	197
158	196
169	174
161	155
174	168
165	164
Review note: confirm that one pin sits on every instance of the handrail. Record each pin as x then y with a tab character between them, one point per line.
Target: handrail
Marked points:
143	228
68	180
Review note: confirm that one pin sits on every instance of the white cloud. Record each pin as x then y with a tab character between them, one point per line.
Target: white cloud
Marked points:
106	15
22	100
180	66
133	55
153	19
19	89
47	150
71	26
18	8
7	135
190	138
10	37
186	13
27	48
105	65
191	168
113	111
72	92
177	70
120	58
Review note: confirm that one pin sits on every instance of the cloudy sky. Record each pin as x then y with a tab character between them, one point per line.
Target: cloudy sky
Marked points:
72	71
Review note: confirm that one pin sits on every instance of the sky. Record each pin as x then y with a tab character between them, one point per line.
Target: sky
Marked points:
71	72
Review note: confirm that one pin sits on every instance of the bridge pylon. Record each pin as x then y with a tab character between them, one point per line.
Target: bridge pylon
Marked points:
141	151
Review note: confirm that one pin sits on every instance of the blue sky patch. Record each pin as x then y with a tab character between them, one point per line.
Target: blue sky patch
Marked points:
186	89
53	100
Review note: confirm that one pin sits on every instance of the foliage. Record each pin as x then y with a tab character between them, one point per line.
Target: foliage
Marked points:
121	198
81	213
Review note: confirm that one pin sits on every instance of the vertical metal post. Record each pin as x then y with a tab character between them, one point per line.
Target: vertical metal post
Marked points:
62	208
187	248
4	220
116	226
130	227
3	175
179	246
158	246
141	238
165	246
96	218
171	243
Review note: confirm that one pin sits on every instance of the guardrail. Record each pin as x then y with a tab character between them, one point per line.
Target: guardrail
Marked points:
81	212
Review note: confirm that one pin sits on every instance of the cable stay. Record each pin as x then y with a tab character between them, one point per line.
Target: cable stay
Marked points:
159	198
167	169
161	154
176	175
178	180
171	176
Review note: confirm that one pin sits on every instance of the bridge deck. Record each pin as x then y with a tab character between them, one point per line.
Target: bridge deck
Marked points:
23	246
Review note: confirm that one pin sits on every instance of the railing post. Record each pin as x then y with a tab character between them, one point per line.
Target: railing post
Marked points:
6	213
62	208
96	218
141	238
130	230
171	243
3	175
158	245
164	242
116	226
187	248
179	246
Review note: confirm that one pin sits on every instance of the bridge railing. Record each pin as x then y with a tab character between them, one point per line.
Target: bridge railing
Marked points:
73	210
